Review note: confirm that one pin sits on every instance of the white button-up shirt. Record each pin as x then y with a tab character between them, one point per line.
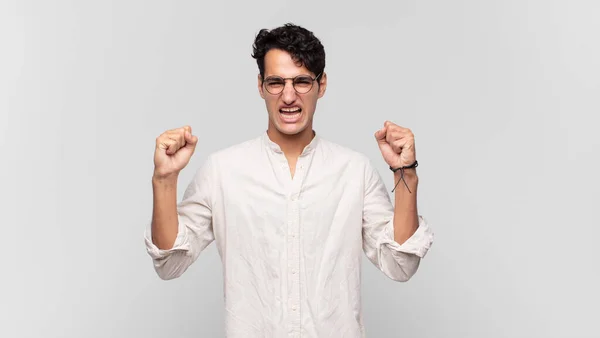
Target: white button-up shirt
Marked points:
291	247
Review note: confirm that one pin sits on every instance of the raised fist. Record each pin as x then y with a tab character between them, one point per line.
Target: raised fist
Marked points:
174	148
397	145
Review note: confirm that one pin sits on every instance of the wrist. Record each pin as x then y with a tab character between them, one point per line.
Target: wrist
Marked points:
164	179
408	174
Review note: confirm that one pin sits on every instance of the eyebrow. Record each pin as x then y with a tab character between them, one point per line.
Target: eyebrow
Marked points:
279	77
273	78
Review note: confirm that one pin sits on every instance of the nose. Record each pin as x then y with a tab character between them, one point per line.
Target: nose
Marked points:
289	93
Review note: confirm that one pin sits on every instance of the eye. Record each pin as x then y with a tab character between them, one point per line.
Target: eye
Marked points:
303	81
273	82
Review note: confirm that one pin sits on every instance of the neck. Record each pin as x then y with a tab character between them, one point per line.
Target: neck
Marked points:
291	145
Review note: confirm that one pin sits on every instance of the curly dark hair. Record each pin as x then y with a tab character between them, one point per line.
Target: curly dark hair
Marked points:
305	48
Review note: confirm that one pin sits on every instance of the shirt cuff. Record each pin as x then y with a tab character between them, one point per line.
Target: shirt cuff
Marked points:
417	244
180	244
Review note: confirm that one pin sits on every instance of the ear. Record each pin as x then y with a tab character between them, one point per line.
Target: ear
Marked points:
322	84
260	86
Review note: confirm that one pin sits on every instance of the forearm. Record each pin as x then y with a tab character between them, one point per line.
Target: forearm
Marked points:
164	214
406	217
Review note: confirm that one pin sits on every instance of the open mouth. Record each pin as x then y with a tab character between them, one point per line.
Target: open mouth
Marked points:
290	114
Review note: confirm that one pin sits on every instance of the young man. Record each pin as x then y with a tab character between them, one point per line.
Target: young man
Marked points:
290	212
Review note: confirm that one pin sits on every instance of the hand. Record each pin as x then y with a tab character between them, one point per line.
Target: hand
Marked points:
174	148
397	145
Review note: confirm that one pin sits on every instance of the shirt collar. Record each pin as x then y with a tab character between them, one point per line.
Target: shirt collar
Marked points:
275	147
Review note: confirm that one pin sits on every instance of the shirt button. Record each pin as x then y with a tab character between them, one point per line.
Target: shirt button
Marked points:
293	308
293	271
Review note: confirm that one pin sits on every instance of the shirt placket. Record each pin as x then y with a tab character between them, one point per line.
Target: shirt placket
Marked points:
294	250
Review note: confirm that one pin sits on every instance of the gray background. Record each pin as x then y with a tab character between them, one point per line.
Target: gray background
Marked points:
501	95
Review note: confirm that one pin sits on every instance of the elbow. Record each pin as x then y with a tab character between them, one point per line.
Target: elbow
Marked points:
167	275
169	262
172	266
402	279
404	268
405	274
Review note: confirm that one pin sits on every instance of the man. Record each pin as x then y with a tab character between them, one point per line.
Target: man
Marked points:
290	212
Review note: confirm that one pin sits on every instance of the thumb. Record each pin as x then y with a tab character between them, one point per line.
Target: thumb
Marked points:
190	140
380	134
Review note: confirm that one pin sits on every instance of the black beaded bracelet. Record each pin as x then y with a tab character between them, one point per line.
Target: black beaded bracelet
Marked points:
413	165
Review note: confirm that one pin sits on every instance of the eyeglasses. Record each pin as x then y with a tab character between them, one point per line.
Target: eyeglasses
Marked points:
302	83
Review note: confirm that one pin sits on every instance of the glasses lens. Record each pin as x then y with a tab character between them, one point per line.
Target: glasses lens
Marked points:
274	85
303	84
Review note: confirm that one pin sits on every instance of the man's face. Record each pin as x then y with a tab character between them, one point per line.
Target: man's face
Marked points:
290	112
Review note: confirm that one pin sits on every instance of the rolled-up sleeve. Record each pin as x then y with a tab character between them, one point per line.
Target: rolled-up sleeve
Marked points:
194	231
397	261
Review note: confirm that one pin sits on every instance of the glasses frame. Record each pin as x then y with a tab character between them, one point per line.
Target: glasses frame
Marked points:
293	79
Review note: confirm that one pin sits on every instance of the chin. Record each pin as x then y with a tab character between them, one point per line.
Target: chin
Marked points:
288	129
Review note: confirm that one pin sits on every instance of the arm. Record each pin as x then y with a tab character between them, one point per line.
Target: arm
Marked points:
180	232
164	213
396	236
391	241
406	217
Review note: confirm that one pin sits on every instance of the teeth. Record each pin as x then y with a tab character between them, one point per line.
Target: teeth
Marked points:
290	110
290	116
